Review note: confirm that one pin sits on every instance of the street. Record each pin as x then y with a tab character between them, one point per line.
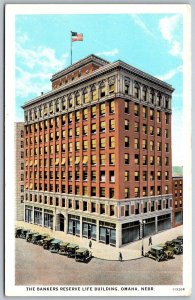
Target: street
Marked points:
36	266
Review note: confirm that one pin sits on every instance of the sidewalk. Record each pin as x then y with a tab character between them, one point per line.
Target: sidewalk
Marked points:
107	252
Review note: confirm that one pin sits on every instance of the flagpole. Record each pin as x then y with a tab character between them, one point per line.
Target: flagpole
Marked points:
71	48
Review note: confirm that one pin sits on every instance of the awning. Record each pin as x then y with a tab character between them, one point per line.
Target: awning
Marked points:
77	160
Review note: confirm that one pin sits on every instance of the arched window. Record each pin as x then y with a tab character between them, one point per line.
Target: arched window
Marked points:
144	93
51	107
85	96
94	95
136	90
158	99
152	96
78	99
102	90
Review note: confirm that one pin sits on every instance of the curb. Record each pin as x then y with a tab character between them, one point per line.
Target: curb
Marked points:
117	259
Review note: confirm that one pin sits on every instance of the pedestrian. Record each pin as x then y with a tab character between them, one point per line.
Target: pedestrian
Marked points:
150	240
90	244
120	256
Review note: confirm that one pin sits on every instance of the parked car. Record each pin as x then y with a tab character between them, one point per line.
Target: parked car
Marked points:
29	236
174	247
18	232
55	245
36	237
43	237
180	237
168	250
71	250
63	248
83	254
179	244
47	242
157	253
24	233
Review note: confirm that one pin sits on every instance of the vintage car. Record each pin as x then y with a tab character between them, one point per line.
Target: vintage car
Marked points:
63	248
18	232
47	243
71	250
179	244
83	254
168	250
24	233
180	237
55	245
43	237
29	236
36	237
157	253
174	247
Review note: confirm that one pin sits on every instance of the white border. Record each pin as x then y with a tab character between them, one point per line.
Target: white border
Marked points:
15	9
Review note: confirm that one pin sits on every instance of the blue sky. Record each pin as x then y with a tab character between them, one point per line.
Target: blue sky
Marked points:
150	42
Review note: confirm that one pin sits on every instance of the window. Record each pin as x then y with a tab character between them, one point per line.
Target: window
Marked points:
76	204
102	142
158	160
127	160
93	160
85	191
111	158
126	106
158	117
63	147
77	131
63	175
102	193
136	159
152	191
93	175
152	130
111	141
158	99
151	114
144	128
151	145
151	96
159	204
151	160
57	135
166	133
85	114
127	193
144	144
136	126
77	190
166	175
166	161
136	174
111	192
85	96
127	142
77	146
166	189
144	175
136	144
102	159
63	120
111	125
111	107
126	89
102	176
136	90
93	128
85	160
102	91
57	148
126	175
94	95
77	115
102	126
144	193
136	109
85	145
51	149
159	175
85	129
102	109
144	93
78	99
158	190
77	175
152	206
166	147
151	175
85	176
93	111
136	191
144	111
70	160
166	118
111	176
126	124
93	191
158	131
69	175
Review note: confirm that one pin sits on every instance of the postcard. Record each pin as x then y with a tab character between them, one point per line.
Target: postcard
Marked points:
97	150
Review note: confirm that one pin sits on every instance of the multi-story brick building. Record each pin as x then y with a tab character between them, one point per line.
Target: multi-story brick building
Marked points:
98	153
19	143
177	184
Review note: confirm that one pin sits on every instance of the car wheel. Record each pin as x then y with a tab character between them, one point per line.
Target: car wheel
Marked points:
158	259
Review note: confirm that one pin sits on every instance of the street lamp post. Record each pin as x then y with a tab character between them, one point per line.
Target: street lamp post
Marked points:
142	223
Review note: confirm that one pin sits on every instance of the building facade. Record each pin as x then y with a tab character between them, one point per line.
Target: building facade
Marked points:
177	183
19	143
98	153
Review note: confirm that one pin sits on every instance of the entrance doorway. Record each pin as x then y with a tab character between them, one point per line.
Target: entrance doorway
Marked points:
60	222
107	236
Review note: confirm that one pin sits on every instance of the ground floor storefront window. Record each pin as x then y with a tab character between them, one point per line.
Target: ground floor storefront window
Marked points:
164	222
178	218
89	228
38	216
149	227
28	214
48	218
74	225
130	232
107	233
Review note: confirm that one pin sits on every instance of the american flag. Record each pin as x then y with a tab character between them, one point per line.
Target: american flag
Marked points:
77	37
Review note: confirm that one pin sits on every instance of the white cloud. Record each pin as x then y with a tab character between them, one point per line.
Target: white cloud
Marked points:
34	67
109	53
168	28
170	74
141	24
